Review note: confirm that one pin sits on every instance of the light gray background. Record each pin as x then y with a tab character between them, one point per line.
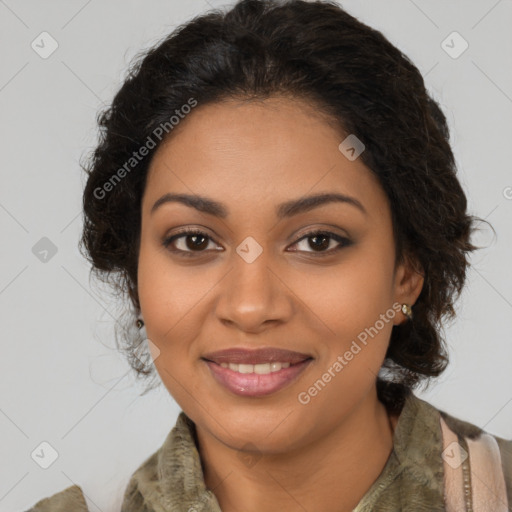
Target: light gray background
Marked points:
60	381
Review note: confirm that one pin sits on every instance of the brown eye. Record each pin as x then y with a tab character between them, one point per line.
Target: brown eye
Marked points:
196	242
187	242
319	241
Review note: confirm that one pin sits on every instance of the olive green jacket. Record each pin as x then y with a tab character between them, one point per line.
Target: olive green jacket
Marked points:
438	463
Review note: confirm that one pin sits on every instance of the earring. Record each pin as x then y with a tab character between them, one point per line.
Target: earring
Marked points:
407	311
139	323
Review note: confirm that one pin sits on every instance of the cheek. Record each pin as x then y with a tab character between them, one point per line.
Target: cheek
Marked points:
351	295
171	299
354	303
167	292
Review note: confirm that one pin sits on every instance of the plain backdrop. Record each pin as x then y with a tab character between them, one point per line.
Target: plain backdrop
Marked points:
62	381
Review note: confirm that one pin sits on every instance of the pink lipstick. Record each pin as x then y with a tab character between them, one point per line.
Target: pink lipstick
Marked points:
256	372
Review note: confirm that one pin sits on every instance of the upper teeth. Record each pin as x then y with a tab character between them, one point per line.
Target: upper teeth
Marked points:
261	369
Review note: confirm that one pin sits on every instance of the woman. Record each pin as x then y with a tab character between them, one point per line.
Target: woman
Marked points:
275	193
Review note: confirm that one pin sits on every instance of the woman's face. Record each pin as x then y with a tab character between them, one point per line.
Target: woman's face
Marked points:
254	279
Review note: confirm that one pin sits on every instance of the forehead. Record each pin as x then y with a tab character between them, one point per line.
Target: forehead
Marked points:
263	151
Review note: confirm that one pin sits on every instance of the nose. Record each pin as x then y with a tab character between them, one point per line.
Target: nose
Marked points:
254	295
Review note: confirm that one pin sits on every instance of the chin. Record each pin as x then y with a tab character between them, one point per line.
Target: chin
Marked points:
270	430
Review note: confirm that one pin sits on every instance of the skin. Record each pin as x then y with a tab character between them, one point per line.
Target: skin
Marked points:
273	452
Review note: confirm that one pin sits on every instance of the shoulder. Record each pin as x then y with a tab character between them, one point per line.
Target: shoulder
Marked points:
172	477
70	499
481	459
474	435
458	463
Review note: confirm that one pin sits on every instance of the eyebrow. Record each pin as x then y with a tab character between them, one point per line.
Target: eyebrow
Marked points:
283	210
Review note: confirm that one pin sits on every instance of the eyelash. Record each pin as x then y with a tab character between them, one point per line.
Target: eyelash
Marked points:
189	231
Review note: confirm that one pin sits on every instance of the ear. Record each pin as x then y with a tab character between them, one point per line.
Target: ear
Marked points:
409	279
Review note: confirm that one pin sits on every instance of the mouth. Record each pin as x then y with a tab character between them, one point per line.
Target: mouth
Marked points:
256	372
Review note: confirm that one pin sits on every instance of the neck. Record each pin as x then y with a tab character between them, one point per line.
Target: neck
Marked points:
331	474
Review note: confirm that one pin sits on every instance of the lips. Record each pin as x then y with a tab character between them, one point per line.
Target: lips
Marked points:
256	356
253	384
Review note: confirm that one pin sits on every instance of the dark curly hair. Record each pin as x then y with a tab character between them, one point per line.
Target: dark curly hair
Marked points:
310	50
